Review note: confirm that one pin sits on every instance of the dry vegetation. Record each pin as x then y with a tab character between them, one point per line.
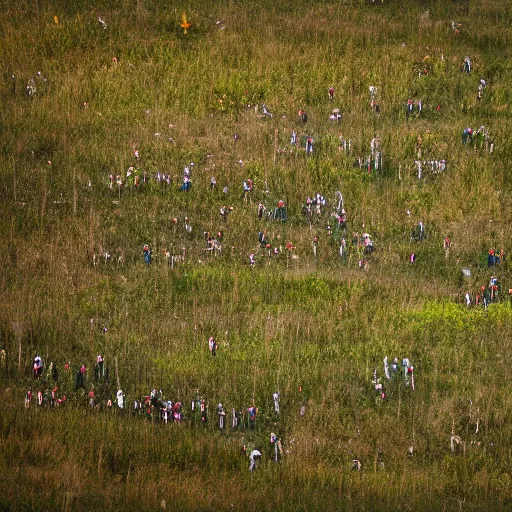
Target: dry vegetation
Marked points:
322	324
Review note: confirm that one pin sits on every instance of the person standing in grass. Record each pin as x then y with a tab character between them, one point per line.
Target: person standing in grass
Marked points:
491	258
147	254
481	86
467	65
251	411
276	397
212	345
203	408
343	246
92	397
447	243
410	107
487	296
276	444
247	189
99	369
120	399
38	366
187	183
79	378
315	247
235	418
480	137
221	414
309	145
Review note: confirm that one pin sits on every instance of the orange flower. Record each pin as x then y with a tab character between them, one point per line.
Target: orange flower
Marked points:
185	25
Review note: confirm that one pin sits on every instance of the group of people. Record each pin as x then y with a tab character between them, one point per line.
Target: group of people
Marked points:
486	295
395	373
35	83
135	178
478	140
100	393
315	205
413	108
278	213
336	230
154	406
429	167
305	141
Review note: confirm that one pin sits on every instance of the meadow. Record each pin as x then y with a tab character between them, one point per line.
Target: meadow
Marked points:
312	327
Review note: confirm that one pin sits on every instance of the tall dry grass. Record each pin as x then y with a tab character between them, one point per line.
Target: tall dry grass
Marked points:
322	324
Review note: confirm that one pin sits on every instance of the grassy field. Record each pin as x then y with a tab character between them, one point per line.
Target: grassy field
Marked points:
83	100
